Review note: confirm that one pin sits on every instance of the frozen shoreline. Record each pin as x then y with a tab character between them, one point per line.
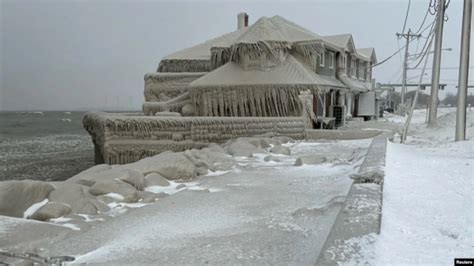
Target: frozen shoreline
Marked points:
256	200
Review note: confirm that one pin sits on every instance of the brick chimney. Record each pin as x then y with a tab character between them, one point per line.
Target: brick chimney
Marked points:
242	20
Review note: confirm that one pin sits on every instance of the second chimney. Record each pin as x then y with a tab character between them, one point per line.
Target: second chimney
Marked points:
242	20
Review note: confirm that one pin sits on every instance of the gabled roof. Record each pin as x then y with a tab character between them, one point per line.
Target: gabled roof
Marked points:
202	51
291	72
275	29
368	53
344	41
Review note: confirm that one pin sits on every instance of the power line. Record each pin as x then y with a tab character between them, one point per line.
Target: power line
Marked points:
424	20
406	16
396	52
447	68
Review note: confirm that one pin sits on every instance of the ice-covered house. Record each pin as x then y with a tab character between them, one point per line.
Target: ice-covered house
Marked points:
221	76
272	76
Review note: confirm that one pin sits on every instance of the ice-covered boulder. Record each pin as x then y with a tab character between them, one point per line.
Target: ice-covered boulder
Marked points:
147	197
278	149
283	139
77	197
310	159
241	148
258	141
214	158
127	191
271	158
155	179
50	211
171	165
17	196
134	178
215	148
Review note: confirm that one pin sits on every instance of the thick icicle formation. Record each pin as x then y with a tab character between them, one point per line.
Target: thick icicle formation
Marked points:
251	100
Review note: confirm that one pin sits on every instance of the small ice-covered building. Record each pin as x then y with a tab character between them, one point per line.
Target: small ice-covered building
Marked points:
271	76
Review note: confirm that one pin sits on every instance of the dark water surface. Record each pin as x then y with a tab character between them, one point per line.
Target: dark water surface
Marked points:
43	145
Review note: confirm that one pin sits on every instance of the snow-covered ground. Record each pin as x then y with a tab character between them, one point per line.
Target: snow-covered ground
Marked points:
258	212
428	211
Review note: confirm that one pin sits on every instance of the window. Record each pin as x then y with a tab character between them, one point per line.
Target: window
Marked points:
321	58
353	68
331	60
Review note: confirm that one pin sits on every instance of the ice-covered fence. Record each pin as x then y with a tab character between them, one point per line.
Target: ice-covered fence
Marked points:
124	138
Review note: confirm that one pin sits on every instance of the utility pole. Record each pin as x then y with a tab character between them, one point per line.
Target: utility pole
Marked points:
436	64
408	36
463	71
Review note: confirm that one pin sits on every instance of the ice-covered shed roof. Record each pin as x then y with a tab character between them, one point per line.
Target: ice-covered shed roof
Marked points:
368	53
291	71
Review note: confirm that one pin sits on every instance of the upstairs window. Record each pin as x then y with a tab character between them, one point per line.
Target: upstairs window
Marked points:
331	60
353	68
321	58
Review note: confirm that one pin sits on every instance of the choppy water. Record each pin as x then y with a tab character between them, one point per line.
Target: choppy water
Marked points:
43	145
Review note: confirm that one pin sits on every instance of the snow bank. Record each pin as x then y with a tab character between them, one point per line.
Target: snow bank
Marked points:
427	206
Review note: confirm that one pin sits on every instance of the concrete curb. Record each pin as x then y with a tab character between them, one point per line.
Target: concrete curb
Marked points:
361	212
344	134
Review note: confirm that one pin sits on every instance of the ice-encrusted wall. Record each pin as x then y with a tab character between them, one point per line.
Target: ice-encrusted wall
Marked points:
125	138
161	87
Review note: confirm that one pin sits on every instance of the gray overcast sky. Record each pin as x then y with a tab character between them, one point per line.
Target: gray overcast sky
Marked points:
66	55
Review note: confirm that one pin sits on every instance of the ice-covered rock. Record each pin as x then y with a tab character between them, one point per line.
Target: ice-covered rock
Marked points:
77	197
283	139
278	149
129	193
134	178
155	179
147	197
17	196
241	148
258	142
95	169
271	158
170	165
215	148
310	159
50	211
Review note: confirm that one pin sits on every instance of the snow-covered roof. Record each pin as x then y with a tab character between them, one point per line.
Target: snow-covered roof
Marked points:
276	29
202	51
290	71
344	41
368	53
354	84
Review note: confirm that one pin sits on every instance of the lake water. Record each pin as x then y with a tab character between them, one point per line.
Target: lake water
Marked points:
43	145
